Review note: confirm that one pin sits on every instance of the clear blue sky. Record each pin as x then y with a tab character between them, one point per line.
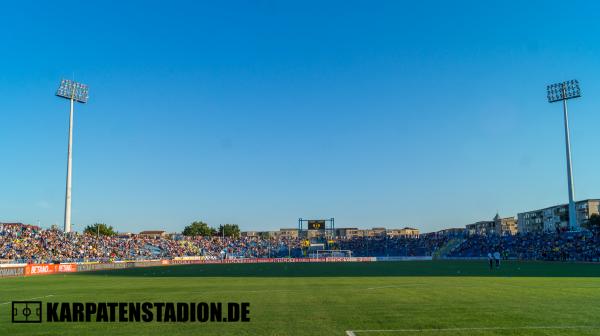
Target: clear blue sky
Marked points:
426	114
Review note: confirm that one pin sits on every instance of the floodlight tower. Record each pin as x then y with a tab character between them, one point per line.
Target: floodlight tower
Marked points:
565	91
75	92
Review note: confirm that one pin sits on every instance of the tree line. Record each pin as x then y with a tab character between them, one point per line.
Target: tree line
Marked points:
197	228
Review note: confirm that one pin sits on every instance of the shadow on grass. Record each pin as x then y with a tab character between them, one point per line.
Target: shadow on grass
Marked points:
363	269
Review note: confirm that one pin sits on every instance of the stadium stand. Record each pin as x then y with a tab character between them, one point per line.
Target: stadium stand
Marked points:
24	243
561	246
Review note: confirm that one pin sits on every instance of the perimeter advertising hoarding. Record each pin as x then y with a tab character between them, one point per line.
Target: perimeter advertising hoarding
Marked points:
11	271
41	269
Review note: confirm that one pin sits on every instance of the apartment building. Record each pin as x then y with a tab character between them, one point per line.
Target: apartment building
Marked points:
497	225
556	217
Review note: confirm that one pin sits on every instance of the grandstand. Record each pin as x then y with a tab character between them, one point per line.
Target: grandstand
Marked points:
25	243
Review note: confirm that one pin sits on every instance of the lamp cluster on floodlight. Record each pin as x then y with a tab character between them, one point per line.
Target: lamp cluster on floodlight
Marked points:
72	90
562	91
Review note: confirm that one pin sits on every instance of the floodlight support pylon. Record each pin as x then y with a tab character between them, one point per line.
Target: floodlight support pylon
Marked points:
572	212
67	227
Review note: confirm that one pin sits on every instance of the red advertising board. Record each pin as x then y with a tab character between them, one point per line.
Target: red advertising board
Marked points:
67	268
38	269
41	269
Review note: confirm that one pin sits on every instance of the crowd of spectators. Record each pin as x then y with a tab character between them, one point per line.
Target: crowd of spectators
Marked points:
31	244
28	243
393	246
561	246
246	247
25	243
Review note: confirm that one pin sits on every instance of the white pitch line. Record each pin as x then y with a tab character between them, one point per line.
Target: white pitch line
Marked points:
35	298
408	285
353	332
382	287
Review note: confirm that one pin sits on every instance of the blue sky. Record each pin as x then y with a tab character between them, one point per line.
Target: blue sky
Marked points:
386	113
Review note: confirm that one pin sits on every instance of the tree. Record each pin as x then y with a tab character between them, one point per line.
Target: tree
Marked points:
593	223
101	229
229	230
198	228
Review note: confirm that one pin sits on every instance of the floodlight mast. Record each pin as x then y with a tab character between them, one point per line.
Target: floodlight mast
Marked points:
565	91
74	92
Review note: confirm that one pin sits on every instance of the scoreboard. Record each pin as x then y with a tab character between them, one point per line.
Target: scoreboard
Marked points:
316	224
323	227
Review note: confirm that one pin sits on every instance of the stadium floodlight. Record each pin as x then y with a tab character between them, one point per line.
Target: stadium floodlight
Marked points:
72	90
75	92
563	92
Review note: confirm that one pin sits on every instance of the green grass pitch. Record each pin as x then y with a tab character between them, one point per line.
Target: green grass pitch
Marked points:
438	298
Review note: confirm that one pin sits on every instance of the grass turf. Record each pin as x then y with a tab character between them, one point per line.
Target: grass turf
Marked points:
330	298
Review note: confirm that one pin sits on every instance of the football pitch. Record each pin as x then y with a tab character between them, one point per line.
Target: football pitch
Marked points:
437	298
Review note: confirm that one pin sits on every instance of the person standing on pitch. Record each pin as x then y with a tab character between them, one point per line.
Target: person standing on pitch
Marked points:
491	260
497	258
